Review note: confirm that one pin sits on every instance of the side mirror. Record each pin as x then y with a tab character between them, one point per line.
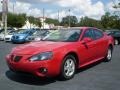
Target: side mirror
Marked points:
87	39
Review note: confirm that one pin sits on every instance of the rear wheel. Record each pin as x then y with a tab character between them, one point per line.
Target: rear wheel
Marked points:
109	54
68	68
116	42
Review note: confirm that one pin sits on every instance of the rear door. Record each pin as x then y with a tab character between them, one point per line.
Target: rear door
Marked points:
101	43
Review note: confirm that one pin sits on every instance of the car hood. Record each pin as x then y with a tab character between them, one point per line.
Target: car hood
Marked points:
32	36
38	47
8	36
20	35
2	35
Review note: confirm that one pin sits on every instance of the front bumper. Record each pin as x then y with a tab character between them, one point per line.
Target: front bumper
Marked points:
18	40
37	68
1	38
8	39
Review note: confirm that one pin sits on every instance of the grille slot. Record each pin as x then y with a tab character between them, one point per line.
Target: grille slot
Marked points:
6	38
17	58
12	57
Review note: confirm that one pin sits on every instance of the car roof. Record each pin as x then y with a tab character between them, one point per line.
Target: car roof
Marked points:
112	30
81	28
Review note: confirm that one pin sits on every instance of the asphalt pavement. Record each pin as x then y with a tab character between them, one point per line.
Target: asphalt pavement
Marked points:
100	76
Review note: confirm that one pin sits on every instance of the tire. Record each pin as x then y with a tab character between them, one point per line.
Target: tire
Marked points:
108	56
116	42
67	70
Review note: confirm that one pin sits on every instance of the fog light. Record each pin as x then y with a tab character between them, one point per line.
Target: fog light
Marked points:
43	70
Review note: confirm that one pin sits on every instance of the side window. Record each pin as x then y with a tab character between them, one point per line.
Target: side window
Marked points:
98	34
117	33
31	32
89	34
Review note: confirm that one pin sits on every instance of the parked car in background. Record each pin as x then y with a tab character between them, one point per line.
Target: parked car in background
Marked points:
22	35
115	34
10	34
1	30
38	35
2	34
62	53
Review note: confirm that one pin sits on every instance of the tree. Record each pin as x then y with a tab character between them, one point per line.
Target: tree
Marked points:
69	19
52	21
85	21
110	21
31	19
38	23
34	20
16	20
105	19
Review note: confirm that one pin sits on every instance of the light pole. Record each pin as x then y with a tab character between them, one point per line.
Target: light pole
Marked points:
43	18
4	15
69	18
58	18
1	14
13	8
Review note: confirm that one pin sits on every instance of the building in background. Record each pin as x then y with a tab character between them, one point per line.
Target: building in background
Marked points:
44	24
28	25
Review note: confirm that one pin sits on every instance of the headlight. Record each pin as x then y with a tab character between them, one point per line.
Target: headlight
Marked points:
28	38
42	56
37	39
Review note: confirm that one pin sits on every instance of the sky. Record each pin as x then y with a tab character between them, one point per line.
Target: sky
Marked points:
91	8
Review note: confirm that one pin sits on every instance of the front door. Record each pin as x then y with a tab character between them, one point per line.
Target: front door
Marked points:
88	50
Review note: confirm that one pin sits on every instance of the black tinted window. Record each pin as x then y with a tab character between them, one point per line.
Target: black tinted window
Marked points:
117	33
88	34
98	34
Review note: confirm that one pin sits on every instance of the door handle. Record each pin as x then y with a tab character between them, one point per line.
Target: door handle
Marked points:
95	43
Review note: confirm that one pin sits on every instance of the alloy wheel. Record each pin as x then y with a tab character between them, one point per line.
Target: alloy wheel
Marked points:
109	54
116	42
69	67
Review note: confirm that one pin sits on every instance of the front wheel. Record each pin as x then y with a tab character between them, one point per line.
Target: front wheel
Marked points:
68	68
109	54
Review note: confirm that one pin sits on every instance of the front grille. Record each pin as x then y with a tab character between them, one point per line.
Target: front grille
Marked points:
7	38
16	58
15	37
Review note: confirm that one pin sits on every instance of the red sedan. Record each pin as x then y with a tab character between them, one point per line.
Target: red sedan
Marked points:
62	52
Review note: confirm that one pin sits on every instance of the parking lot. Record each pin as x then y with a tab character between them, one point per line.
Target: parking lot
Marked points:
100	76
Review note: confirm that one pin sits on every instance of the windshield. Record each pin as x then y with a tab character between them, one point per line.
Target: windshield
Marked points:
108	32
25	31
12	32
3	32
63	35
40	32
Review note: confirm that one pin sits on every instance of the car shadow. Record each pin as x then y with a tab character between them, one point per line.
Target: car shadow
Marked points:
32	80
28	79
